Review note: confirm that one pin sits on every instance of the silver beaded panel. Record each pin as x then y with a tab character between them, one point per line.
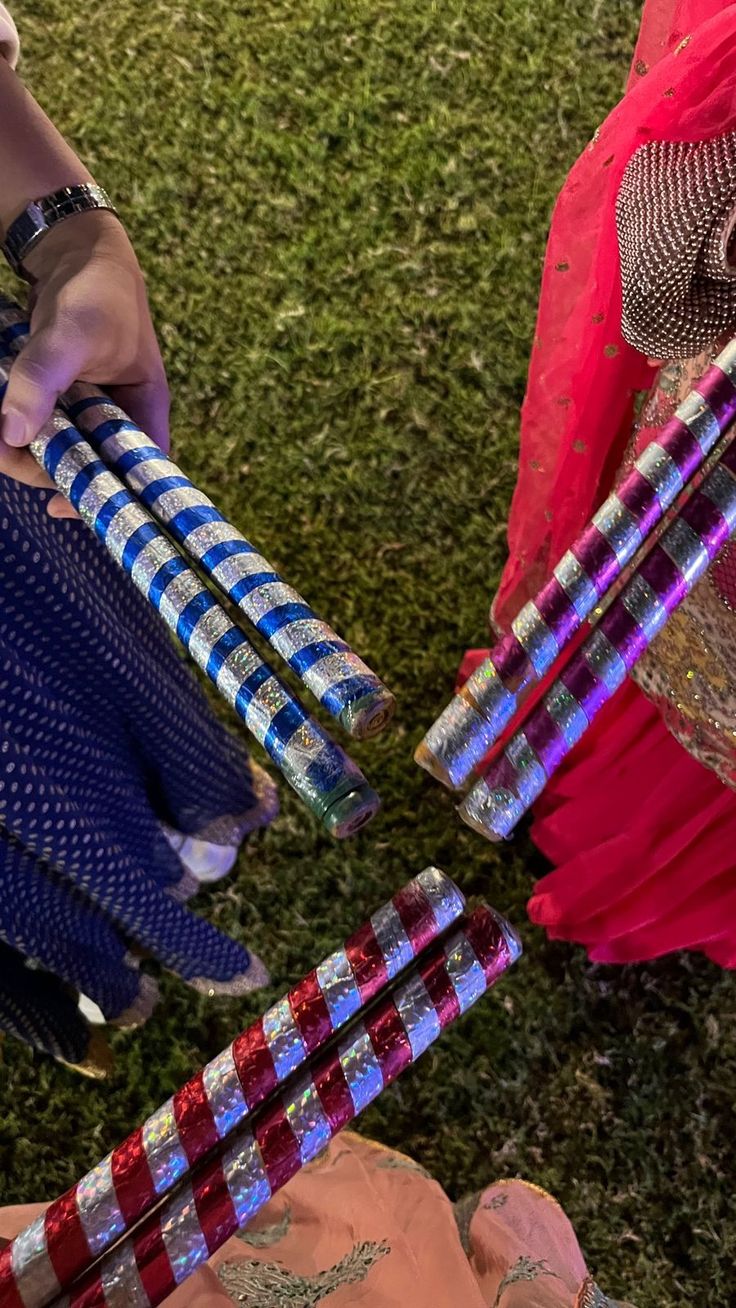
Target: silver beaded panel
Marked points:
673	212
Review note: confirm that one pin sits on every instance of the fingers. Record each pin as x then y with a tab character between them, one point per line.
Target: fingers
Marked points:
148	406
48	365
58	507
21	466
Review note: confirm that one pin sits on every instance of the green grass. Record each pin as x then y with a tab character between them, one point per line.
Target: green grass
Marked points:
342	208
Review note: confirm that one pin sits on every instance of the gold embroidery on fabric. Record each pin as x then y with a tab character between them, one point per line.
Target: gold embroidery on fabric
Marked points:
687	672
524	1269
399	1162
269	1235
271	1285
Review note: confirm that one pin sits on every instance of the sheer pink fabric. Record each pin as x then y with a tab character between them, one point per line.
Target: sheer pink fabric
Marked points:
577	413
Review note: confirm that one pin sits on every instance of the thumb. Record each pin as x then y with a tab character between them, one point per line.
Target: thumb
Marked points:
48	365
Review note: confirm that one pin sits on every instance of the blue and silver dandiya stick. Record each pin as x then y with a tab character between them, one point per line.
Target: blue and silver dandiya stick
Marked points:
474	720
342	683
329	783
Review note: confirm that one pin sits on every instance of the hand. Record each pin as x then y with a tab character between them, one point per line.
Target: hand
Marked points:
89	322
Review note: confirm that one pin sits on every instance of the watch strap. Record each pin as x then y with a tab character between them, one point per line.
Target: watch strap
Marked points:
41	215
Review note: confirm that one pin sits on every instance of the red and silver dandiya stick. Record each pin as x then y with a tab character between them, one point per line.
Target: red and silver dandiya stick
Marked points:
77	1228
225	1193
473	721
658	585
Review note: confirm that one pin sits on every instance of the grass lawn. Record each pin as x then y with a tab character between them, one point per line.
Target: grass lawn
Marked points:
341	206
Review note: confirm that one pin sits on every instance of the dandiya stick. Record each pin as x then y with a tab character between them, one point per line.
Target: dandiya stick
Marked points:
330	784
95	1213
657	587
226	1192
465	731
342	683
541	688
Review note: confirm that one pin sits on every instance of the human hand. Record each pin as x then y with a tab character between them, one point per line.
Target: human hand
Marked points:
90	321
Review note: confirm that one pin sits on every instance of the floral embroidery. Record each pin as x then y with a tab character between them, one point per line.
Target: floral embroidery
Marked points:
269	1235
399	1162
271	1285
524	1269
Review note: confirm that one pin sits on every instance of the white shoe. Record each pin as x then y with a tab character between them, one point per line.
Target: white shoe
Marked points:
205	861
89	1009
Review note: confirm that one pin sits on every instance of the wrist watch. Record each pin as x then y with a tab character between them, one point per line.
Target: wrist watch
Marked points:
41	215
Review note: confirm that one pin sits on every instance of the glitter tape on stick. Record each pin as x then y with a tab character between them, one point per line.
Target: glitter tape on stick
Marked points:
225	1193
473	721
661	582
342	683
93	1215
330	784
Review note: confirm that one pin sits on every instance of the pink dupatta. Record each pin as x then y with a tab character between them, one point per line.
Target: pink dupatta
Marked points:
583	376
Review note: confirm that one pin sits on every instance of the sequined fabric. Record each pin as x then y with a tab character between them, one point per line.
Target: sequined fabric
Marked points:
105	735
689	671
676	216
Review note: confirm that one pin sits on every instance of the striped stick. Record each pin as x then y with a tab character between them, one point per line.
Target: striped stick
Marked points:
227	1192
659	584
93	1215
473	721
329	783
338	678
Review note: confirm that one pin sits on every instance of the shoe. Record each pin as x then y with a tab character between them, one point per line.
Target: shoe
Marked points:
203	860
206	861
91	1012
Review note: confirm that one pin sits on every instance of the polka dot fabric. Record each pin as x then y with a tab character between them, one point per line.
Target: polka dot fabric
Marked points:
105	737
36	1008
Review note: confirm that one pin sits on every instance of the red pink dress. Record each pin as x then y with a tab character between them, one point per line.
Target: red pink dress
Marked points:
640	823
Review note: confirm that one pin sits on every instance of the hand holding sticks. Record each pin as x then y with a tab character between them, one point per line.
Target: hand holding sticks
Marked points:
321	773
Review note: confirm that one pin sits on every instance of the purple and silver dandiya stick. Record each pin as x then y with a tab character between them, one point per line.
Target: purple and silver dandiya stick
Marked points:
226	1192
473	721
325	778
659	584
96	1212
342	683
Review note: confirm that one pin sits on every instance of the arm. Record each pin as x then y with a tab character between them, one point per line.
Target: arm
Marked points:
34	158
89	311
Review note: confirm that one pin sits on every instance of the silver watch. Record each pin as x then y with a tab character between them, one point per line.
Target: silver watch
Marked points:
41	215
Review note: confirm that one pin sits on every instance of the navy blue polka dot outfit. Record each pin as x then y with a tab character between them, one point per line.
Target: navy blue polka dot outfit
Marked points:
104	737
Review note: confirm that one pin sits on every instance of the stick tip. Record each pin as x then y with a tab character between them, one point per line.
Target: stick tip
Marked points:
351	812
368	716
